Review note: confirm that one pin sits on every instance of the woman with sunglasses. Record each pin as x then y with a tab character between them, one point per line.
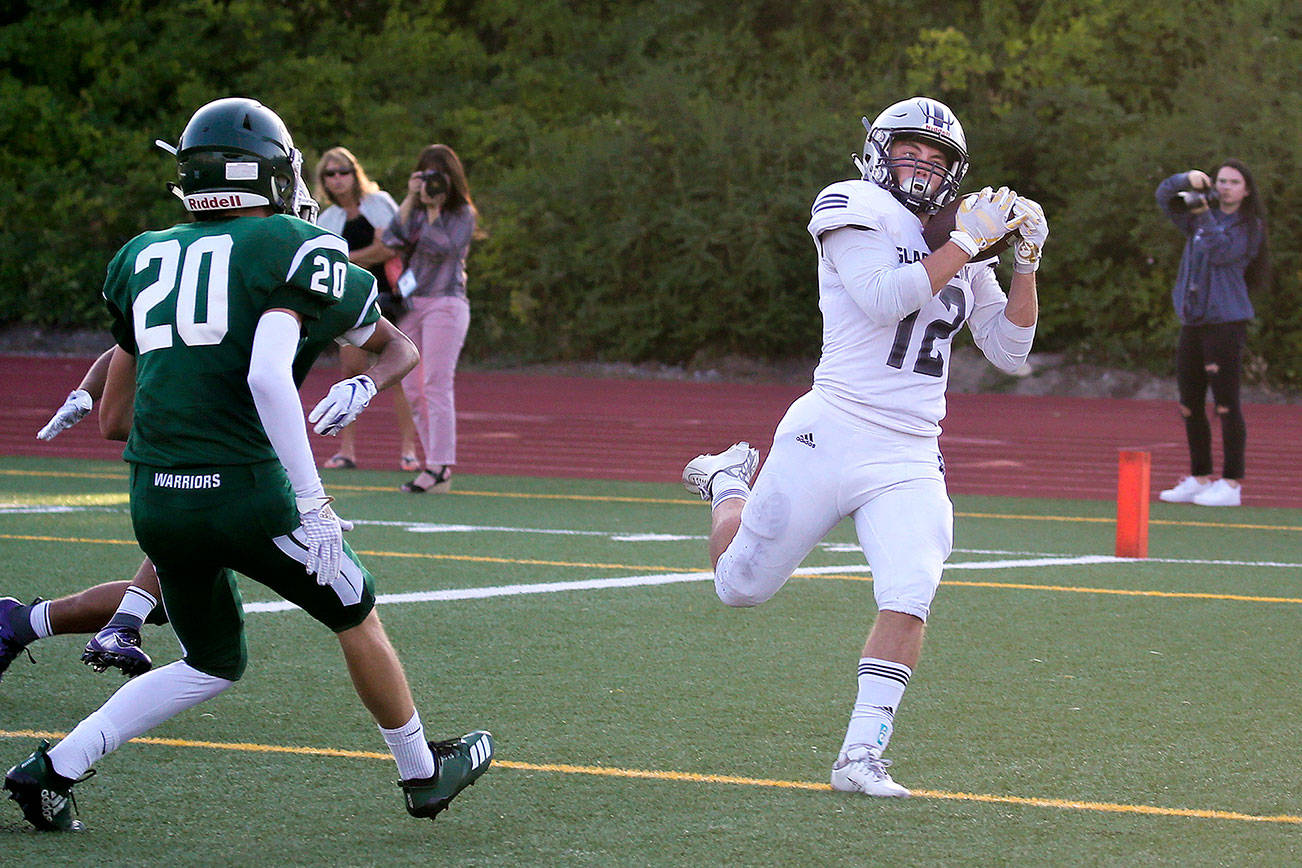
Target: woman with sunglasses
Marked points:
359	211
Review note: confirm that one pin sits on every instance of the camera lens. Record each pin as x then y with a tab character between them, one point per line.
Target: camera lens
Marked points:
436	183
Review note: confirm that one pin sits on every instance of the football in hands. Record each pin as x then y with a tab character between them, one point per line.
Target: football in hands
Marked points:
937	230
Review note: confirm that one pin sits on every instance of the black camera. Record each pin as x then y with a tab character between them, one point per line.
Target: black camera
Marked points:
436	183
1195	200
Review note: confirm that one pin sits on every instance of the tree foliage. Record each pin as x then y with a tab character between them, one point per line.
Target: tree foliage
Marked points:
645	169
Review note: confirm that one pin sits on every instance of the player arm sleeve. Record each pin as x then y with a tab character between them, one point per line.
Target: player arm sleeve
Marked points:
1004	344
869	266
272	383
356	337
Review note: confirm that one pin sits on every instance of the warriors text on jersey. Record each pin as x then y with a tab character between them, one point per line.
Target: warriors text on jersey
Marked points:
186	302
886	337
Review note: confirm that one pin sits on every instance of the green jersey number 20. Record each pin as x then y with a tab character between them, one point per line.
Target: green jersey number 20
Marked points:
210	284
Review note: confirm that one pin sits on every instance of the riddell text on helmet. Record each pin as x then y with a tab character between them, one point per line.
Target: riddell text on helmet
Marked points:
212	201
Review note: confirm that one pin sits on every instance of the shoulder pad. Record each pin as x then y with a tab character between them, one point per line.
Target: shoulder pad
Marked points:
848	203
307	241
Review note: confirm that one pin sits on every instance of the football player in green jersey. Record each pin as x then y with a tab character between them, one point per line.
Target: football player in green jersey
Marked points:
115	611
214	313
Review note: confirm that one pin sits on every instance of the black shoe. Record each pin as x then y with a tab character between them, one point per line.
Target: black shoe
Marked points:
428	480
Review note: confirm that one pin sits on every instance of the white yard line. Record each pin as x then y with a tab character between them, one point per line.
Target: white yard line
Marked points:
675	578
617	536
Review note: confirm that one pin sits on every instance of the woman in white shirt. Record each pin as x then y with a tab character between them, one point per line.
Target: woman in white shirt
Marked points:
359	211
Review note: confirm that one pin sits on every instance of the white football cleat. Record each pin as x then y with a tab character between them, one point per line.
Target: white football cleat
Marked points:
859	770
1185	491
1219	493
739	461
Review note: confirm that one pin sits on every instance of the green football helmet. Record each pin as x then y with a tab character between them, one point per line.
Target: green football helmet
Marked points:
237	153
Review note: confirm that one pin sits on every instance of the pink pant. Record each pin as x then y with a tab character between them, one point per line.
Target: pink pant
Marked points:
438	328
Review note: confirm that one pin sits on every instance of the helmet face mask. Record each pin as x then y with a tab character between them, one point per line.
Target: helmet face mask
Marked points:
237	153
923	120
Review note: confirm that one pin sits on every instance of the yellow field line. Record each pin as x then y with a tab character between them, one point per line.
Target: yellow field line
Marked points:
63	474
66	539
852	577
1108	519
694	777
432	556
604	498
1124	592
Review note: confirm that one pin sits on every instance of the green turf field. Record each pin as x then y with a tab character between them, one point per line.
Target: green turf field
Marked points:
1069	709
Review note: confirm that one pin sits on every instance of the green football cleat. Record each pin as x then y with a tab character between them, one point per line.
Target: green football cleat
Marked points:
44	795
460	763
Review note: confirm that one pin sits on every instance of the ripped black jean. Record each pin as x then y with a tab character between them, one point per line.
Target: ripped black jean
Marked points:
1212	356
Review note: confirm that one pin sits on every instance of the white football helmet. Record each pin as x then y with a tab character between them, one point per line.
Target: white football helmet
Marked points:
925	120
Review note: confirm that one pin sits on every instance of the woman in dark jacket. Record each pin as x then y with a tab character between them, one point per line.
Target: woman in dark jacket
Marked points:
1224	255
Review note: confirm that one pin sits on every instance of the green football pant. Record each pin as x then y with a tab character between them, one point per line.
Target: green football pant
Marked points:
202	525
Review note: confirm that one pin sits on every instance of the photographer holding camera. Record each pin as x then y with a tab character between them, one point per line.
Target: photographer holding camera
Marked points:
1224	257
432	232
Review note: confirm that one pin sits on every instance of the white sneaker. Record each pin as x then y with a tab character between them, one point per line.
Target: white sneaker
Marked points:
739	461
859	770
1219	493
1185	490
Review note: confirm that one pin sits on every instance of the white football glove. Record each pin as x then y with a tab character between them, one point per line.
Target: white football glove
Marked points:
1031	235
342	404
74	409
983	218
325	537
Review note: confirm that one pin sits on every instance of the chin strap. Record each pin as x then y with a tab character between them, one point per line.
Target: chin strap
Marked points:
304	206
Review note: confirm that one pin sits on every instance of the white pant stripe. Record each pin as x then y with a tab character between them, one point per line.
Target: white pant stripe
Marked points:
347	585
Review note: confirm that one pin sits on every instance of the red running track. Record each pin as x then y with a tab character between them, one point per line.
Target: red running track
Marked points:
645	430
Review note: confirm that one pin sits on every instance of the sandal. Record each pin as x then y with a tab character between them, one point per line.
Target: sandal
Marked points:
428	481
409	463
340	462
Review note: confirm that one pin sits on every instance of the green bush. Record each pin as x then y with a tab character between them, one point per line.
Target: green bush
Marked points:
645	169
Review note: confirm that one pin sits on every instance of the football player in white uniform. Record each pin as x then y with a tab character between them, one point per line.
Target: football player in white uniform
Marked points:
864	441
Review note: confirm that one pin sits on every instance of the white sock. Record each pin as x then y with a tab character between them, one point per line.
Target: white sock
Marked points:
881	687
39	618
724	487
139	705
137	603
410	751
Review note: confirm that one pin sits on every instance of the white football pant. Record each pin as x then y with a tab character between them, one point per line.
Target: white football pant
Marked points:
825	466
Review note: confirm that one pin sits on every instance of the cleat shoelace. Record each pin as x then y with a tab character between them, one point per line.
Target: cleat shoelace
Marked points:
447	748
22	649
72	797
